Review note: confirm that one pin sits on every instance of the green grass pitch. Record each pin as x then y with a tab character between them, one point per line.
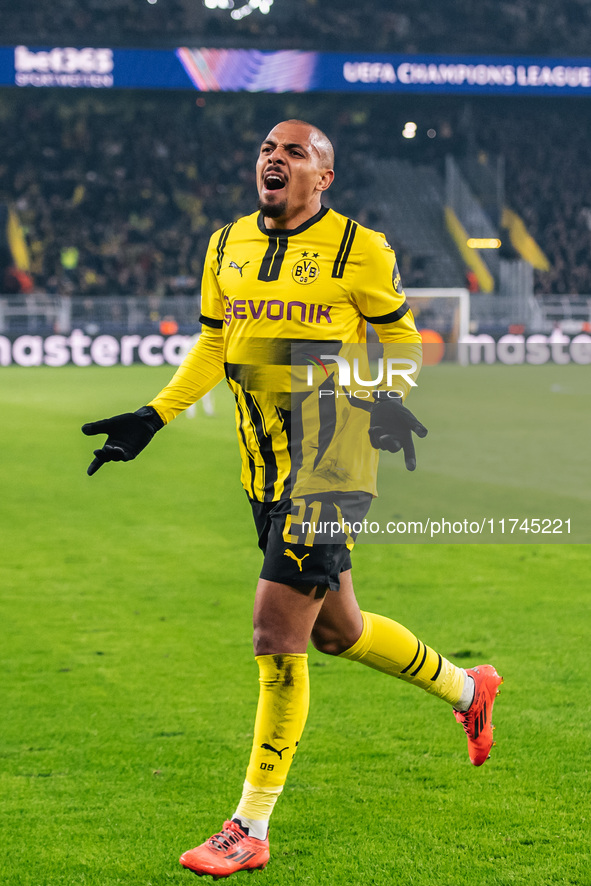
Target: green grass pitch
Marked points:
129	686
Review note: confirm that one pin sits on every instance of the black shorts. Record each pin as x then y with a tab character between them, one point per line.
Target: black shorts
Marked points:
307	541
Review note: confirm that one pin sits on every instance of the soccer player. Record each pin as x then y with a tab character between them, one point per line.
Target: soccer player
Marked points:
281	288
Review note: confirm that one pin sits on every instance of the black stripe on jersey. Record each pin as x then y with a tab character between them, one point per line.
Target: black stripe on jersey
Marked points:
292	422
251	461
408	667
338	268
209	321
436	674
273	259
222	245
416	671
265	442
392	317
327	409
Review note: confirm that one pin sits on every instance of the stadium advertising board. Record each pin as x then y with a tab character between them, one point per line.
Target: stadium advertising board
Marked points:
80	349
235	70
535	350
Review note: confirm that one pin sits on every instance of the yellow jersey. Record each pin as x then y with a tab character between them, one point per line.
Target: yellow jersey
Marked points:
274	303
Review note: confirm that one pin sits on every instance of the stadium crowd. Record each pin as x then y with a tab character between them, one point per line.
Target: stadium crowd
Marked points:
548	181
120	197
554	27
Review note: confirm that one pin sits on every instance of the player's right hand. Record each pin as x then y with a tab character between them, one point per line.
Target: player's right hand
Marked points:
127	435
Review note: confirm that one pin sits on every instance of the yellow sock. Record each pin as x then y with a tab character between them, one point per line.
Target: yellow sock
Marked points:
284	698
391	648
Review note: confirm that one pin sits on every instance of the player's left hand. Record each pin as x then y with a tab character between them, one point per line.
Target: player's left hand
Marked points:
391	427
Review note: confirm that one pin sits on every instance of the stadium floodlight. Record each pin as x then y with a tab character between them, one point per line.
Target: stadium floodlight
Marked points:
483	243
219	4
263	6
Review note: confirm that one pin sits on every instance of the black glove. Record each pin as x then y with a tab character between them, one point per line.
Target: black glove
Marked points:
127	435
391	425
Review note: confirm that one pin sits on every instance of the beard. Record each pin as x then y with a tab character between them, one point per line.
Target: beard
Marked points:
272	210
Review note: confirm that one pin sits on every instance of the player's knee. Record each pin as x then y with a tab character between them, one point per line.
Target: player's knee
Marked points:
328	641
264	640
275	641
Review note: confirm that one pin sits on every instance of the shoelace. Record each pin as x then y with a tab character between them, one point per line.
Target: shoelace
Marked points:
226	837
469	721
466	726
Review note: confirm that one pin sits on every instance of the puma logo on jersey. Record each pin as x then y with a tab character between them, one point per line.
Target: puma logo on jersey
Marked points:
238	267
269	747
299	560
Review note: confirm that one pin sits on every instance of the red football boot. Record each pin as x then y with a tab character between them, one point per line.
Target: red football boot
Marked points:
477	720
227	852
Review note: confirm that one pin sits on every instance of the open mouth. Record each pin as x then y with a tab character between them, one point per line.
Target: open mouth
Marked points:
273	182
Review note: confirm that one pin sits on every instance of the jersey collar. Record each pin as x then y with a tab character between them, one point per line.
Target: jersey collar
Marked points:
276	232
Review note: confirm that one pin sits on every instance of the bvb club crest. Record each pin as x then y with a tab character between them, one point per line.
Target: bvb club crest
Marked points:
305	271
